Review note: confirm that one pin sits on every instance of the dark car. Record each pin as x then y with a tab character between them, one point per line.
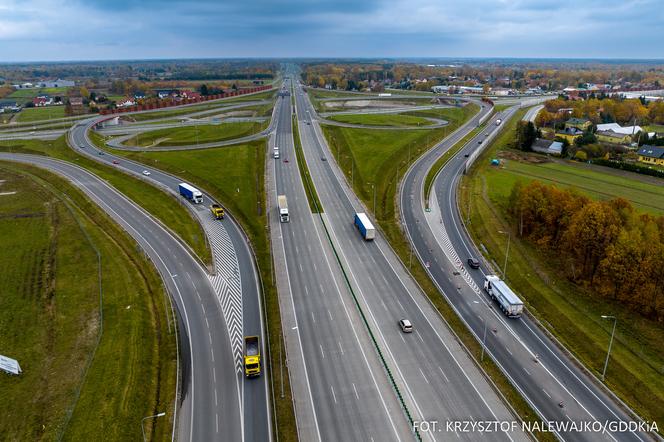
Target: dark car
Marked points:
473	263
101	152
466	155
116	162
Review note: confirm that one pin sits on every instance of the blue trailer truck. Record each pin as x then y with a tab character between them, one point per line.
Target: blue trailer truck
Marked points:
191	193
365	227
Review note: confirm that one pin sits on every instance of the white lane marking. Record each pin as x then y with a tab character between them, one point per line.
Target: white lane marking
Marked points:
313	319
443	373
419	335
321	350
355	390
333	395
546	393
340	347
425	378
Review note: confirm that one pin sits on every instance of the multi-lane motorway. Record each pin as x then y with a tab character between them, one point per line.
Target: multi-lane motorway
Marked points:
434	374
554	386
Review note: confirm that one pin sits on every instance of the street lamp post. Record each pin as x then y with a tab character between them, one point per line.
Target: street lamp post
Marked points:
373	187
483	343
608	353
507	252
150	417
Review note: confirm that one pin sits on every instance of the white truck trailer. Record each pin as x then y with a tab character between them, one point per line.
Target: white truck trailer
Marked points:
509	303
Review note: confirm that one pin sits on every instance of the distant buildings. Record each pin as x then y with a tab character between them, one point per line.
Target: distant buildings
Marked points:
570	134
578	123
45	84
548	146
651	155
125	102
9	106
609	136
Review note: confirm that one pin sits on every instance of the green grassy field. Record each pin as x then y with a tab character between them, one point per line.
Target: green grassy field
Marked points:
198	134
659	128
382	120
74	387
234	176
309	188
567	310
24	95
644	196
381	156
163	207
40	113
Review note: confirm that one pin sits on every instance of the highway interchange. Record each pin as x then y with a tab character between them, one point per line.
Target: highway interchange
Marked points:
354	374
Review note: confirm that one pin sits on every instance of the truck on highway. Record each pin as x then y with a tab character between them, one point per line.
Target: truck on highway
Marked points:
283	208
509	303
252	356
217	211
191	193
365	227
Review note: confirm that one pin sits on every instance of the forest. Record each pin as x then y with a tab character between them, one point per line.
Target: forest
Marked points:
606	246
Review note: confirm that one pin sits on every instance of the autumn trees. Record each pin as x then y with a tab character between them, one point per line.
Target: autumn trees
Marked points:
606	246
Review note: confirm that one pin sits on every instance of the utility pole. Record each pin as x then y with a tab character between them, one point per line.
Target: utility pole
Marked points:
608	353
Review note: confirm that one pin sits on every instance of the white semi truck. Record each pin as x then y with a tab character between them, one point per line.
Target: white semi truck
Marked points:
509	303
283	208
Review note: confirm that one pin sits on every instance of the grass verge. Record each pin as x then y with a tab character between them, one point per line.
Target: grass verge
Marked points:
312	196
186	135
568	311
440	163
78	381
234	176
382	120
164	207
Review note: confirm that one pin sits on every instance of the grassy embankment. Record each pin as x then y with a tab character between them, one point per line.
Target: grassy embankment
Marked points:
382	119
197	134
375	152
163	207
570	312
91	366
309	188
234	175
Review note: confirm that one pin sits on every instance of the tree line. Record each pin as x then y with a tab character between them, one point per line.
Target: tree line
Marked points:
605	246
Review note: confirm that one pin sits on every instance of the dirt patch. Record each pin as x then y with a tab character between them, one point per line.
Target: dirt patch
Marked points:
378	104
524	157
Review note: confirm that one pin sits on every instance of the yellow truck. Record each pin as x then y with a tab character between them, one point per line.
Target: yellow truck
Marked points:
217	211
252	356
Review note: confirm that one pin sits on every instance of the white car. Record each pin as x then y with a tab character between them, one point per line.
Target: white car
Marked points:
406	326
146	172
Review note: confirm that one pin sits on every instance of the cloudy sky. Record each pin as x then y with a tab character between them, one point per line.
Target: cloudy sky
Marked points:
133	29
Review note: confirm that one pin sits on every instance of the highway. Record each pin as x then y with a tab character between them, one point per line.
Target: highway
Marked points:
335	371
554	385
436	376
